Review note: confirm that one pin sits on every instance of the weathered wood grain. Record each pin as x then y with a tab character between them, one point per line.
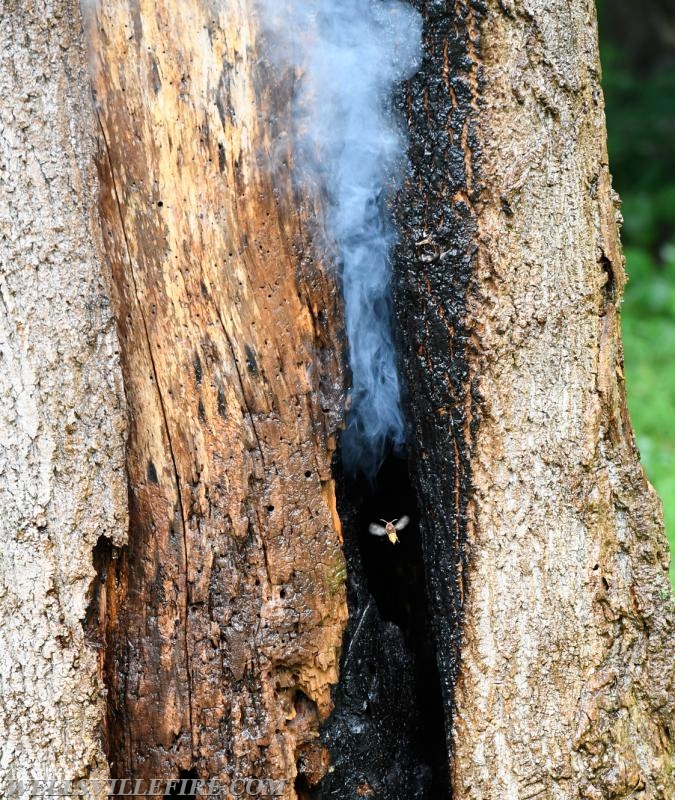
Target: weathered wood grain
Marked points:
224	617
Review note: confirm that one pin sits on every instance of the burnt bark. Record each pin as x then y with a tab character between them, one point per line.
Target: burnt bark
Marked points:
544	543
222	618
434	269
386	733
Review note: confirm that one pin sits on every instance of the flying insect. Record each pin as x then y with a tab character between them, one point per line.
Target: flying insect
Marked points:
389	529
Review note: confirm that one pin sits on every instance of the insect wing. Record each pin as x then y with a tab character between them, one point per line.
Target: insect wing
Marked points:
376	530
401	523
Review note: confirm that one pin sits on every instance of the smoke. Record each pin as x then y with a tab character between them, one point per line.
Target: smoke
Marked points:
350	54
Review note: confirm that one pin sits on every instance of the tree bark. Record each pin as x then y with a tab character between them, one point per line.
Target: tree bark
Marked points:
519	643
63	422
543	539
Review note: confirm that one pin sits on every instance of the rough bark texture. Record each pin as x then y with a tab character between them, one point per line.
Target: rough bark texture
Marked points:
223	619
433	275
220	622
62	423
565	687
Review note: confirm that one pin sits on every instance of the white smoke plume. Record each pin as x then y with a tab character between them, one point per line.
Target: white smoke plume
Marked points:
350	54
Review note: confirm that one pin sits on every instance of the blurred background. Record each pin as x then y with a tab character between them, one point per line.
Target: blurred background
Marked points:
637	46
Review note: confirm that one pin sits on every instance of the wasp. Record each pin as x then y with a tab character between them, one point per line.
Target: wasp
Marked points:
389	529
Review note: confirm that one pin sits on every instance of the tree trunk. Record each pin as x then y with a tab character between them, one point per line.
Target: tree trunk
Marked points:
62	482
543	539
223	618
519	642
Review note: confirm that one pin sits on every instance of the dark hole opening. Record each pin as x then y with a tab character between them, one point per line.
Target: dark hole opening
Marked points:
106	558
185	785
302	788
395	579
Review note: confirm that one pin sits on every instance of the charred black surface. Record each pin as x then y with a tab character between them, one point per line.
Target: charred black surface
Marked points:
386	735
389	736
184	784
432	284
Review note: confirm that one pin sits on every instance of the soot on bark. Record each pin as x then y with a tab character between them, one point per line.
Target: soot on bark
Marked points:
386	735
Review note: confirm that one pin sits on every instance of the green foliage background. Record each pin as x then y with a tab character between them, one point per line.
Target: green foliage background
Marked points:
640	101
